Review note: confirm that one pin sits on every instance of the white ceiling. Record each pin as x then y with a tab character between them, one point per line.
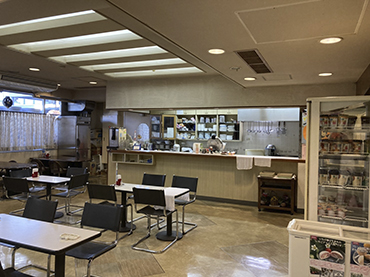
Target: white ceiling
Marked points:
285	32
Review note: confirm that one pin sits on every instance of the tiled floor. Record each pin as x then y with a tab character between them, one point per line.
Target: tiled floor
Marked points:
231	240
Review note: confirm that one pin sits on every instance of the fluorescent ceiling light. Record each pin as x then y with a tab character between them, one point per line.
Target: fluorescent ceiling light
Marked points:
93	83
133	64
249	78
79	41
331	40
51	22
141	51
170	71
34	69
325	74
216	51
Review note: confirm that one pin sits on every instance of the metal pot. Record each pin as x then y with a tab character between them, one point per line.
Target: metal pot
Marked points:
270	150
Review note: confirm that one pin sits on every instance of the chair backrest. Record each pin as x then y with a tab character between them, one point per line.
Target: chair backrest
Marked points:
190	183
17	185
149	196
76	171
40	165
102	216
103	192
56	168
25	172
78	181
154	179
40	209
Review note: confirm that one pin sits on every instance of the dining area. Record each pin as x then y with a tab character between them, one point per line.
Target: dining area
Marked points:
61	235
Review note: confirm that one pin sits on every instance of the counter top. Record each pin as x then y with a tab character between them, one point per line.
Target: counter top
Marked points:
154	152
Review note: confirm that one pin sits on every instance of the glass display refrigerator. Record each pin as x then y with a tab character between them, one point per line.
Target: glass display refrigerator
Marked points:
337	169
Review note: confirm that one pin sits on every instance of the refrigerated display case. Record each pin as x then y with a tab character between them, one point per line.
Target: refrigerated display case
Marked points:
338	160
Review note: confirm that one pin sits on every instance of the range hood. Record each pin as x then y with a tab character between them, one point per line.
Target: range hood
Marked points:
20	83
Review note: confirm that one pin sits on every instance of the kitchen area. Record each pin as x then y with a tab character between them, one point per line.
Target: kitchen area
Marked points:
225	148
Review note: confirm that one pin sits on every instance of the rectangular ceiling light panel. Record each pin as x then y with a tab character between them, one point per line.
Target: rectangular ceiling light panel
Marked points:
79	41
51	22
110	54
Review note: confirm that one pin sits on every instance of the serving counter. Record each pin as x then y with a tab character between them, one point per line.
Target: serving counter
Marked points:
219	178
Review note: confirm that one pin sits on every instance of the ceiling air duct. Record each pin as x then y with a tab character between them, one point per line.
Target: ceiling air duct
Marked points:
25	84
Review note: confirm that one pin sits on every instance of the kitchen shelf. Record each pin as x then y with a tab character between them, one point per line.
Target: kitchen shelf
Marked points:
345	156
344	187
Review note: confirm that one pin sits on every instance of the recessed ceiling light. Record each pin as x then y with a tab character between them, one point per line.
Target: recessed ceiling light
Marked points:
325	74
34	69
331	40
93	83
59	85
216	51
249	78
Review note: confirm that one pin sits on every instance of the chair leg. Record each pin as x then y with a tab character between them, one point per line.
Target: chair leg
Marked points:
148	235
183	223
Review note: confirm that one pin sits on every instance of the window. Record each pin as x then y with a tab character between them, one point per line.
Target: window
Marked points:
29	123
25	102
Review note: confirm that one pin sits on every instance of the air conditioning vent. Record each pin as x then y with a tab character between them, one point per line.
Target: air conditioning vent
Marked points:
255	60
25	84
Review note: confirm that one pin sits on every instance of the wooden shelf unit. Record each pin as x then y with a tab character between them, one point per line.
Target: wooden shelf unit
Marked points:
278	184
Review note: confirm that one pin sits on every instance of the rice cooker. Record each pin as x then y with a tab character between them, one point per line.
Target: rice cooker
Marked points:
270	150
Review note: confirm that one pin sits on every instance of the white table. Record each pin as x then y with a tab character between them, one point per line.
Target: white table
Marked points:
42	237
170	193
50	181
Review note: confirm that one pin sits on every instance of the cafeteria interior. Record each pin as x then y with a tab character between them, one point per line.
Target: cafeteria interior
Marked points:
230	240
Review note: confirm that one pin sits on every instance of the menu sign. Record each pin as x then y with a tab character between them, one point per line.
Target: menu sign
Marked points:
360	259
327	256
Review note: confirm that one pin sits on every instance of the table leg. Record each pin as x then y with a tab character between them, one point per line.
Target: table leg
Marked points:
168	235
60	265
125	226
48	193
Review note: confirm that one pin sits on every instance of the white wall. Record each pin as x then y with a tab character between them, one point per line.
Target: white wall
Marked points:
211	92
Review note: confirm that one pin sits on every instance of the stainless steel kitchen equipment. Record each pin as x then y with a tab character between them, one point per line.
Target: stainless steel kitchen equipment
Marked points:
113	142
270	150
74	137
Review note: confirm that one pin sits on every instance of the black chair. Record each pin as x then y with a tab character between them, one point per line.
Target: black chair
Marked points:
11	272
152	180
20	187
76	186
76	171
26	172
191	184
43	210
105	217
102	192
151	198
56	168
40	165
108	194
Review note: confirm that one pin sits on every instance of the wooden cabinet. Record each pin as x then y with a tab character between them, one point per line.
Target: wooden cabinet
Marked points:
284	190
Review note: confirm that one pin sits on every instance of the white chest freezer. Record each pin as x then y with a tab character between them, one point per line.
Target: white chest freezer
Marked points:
326	249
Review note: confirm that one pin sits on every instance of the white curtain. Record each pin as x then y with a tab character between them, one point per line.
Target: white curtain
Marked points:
25	131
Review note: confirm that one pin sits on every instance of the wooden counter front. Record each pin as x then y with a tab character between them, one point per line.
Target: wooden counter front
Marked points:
217	174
